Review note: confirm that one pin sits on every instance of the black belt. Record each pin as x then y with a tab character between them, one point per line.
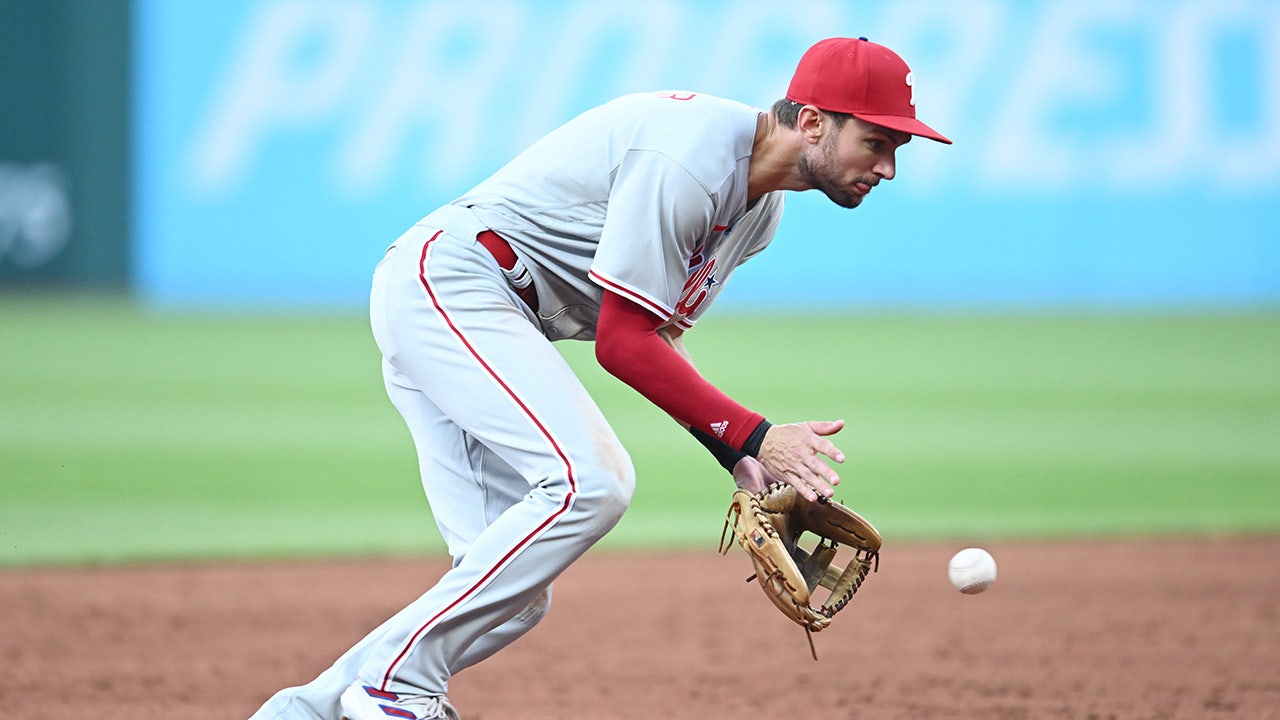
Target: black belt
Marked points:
514	270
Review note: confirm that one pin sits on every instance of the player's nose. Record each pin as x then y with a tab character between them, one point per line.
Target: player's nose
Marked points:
886	168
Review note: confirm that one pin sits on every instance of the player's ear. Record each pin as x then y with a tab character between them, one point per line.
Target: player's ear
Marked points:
812	123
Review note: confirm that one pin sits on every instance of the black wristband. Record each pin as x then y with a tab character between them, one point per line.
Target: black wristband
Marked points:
723	452
752	444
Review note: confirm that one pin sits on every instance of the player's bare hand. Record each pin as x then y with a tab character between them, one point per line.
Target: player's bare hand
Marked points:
793	453
750	475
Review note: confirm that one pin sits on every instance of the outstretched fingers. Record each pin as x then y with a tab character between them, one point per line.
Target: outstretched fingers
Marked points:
794	454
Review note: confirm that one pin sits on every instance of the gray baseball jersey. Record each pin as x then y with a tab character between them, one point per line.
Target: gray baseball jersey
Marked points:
640	195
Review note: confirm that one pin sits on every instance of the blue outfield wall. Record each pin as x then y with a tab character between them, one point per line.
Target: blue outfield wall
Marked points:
1108	154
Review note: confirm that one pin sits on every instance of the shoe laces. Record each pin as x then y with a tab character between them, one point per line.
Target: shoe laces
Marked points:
429	707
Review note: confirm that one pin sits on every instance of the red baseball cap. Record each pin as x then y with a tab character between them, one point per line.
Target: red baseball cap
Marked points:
860	78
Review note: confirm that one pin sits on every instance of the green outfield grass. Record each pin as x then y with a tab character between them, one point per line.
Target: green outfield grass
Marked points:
129	435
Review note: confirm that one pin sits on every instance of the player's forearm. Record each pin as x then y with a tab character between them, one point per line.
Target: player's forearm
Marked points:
674	336
629	346
727	456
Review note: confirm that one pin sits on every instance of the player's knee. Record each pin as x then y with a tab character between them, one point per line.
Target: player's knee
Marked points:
605	491
622	486
533	613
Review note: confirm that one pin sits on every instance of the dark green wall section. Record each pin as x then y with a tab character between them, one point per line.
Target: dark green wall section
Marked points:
64	143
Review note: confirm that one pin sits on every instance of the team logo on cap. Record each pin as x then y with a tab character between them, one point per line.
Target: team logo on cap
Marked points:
911	83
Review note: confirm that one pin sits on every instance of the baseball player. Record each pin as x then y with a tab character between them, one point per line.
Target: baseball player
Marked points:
622	227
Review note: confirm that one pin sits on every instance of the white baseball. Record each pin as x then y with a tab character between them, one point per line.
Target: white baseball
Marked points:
972	570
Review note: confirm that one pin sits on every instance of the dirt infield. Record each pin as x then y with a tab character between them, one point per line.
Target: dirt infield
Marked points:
1072	631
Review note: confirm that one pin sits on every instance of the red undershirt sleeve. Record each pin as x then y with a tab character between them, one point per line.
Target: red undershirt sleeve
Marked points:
629	347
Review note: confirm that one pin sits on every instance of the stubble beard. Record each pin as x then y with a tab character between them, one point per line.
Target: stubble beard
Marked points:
819	176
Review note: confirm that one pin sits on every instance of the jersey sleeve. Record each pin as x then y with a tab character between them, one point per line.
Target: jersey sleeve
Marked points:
657	213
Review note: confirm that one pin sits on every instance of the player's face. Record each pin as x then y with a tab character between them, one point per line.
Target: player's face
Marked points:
846	164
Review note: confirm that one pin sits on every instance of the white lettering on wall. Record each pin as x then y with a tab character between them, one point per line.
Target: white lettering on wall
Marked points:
425	93
290	71
1146	118
1054	96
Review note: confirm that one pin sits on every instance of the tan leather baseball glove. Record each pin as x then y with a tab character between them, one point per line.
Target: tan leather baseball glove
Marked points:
769	526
